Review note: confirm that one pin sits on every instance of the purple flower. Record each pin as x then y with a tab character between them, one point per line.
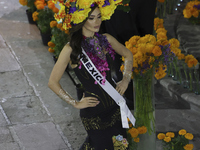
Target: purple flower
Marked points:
72	9
197	6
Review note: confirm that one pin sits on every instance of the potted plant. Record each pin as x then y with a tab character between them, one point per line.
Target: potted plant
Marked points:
43	16
31	8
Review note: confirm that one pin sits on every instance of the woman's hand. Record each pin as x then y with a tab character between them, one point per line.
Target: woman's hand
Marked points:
122	86
86	102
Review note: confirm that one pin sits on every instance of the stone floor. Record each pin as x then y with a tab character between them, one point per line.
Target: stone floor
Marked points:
32	117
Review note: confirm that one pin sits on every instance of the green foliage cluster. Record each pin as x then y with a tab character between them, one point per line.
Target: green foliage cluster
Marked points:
45	16
60	38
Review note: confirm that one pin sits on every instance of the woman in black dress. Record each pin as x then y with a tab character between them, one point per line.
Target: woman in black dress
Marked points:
99	113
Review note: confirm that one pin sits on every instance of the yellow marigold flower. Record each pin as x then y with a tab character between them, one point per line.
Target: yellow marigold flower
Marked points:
51	50
181	56
133	50
157	51
158	23
182	132
174	42
161	136
82	4
51	44
188	147
79	16
105	11
189	136
161	72
187	13
142	130
23	2
161	36
161	30
167	139
53	23
192	62
176	51
170	134
136	140
188	57
134	132
122	68
34	15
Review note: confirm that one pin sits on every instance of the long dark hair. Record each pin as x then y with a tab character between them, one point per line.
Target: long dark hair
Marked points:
76	38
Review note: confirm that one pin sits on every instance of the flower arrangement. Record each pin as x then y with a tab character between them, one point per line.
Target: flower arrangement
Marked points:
29	3
76	11
191	11
44	15
133	134
181	142
149	53
59	38
119	143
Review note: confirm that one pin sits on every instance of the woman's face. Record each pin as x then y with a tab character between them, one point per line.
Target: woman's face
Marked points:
93	23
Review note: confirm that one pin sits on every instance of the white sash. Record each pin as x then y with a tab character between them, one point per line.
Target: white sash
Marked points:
125	112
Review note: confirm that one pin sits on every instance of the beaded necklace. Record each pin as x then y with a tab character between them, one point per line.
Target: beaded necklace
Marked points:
96	47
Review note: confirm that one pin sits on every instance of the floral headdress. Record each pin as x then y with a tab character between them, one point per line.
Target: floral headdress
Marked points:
76	11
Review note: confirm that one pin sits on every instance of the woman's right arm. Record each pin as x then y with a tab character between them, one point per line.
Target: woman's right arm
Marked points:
56	75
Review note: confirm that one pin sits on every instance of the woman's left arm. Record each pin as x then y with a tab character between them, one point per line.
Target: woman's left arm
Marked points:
128	63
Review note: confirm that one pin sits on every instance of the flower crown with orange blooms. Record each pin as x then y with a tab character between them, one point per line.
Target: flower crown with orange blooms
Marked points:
76	11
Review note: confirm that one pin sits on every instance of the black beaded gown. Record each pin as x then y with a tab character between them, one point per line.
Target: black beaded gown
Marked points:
103	121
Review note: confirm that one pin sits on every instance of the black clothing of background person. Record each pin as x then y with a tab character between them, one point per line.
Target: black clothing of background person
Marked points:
122	25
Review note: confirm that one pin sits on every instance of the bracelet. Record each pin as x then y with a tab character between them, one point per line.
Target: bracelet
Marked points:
66	97
128	65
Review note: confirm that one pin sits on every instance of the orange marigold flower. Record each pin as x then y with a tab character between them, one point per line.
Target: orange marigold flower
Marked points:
157	51
192	62
174	42
170	134
181	56
55	10
51	44
134	132
188	57
59	26
182	132
53	23
188	147
142	130
167	139
51	5
161	1
189	136
40	6
66	31
161	36
136	140
51	50
161	136
23	2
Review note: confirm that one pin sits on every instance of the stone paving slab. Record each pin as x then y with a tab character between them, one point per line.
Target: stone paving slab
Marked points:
7	61
14	84
40	136
23	110
9	146
74	127
5	135
3	121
